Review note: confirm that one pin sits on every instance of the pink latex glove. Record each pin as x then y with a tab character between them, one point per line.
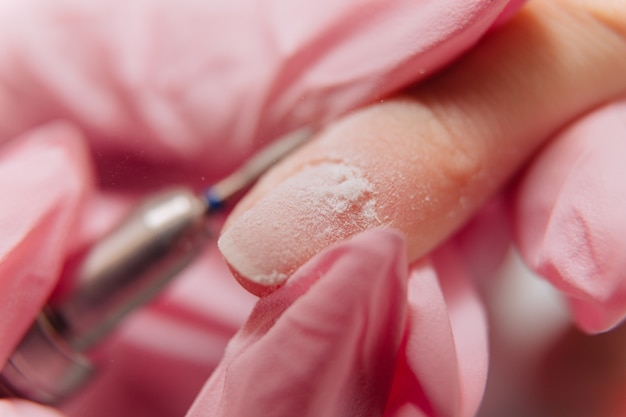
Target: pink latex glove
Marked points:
155	93
354	333
376	165
157	98
568	216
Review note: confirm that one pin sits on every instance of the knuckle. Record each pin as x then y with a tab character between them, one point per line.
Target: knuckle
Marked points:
459	147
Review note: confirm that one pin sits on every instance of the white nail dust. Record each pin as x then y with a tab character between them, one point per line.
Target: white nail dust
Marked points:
344	188
322	204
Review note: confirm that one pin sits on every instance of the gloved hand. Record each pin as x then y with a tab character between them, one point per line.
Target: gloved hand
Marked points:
425	162
157	90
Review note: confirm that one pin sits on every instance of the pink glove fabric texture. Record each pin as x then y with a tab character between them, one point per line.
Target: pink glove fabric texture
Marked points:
160	92
568	216
171	82
354	333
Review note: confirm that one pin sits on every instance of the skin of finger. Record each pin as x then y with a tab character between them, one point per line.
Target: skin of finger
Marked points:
44	178
176	83
435	156
324	344
569	216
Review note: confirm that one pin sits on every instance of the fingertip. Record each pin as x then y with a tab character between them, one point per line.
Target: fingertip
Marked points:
322	204
251	286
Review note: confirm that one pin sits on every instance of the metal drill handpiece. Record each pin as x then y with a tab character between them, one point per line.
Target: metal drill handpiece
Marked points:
156	241
123	271
132	264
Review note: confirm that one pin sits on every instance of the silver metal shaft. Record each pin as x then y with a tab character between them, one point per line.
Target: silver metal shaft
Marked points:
258	164
132	265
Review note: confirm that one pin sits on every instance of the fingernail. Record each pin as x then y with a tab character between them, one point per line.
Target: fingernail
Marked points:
322	204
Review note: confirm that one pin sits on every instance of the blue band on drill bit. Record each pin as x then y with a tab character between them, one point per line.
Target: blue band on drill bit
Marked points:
214	202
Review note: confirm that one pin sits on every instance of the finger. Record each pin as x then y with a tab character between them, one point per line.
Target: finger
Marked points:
423	164
569	218
44	179
325	345
164	80
442	367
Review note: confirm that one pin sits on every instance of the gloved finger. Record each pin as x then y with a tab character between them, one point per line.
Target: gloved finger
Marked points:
569	216
424	164
323	345
442	366
44	179
187	81
21	408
